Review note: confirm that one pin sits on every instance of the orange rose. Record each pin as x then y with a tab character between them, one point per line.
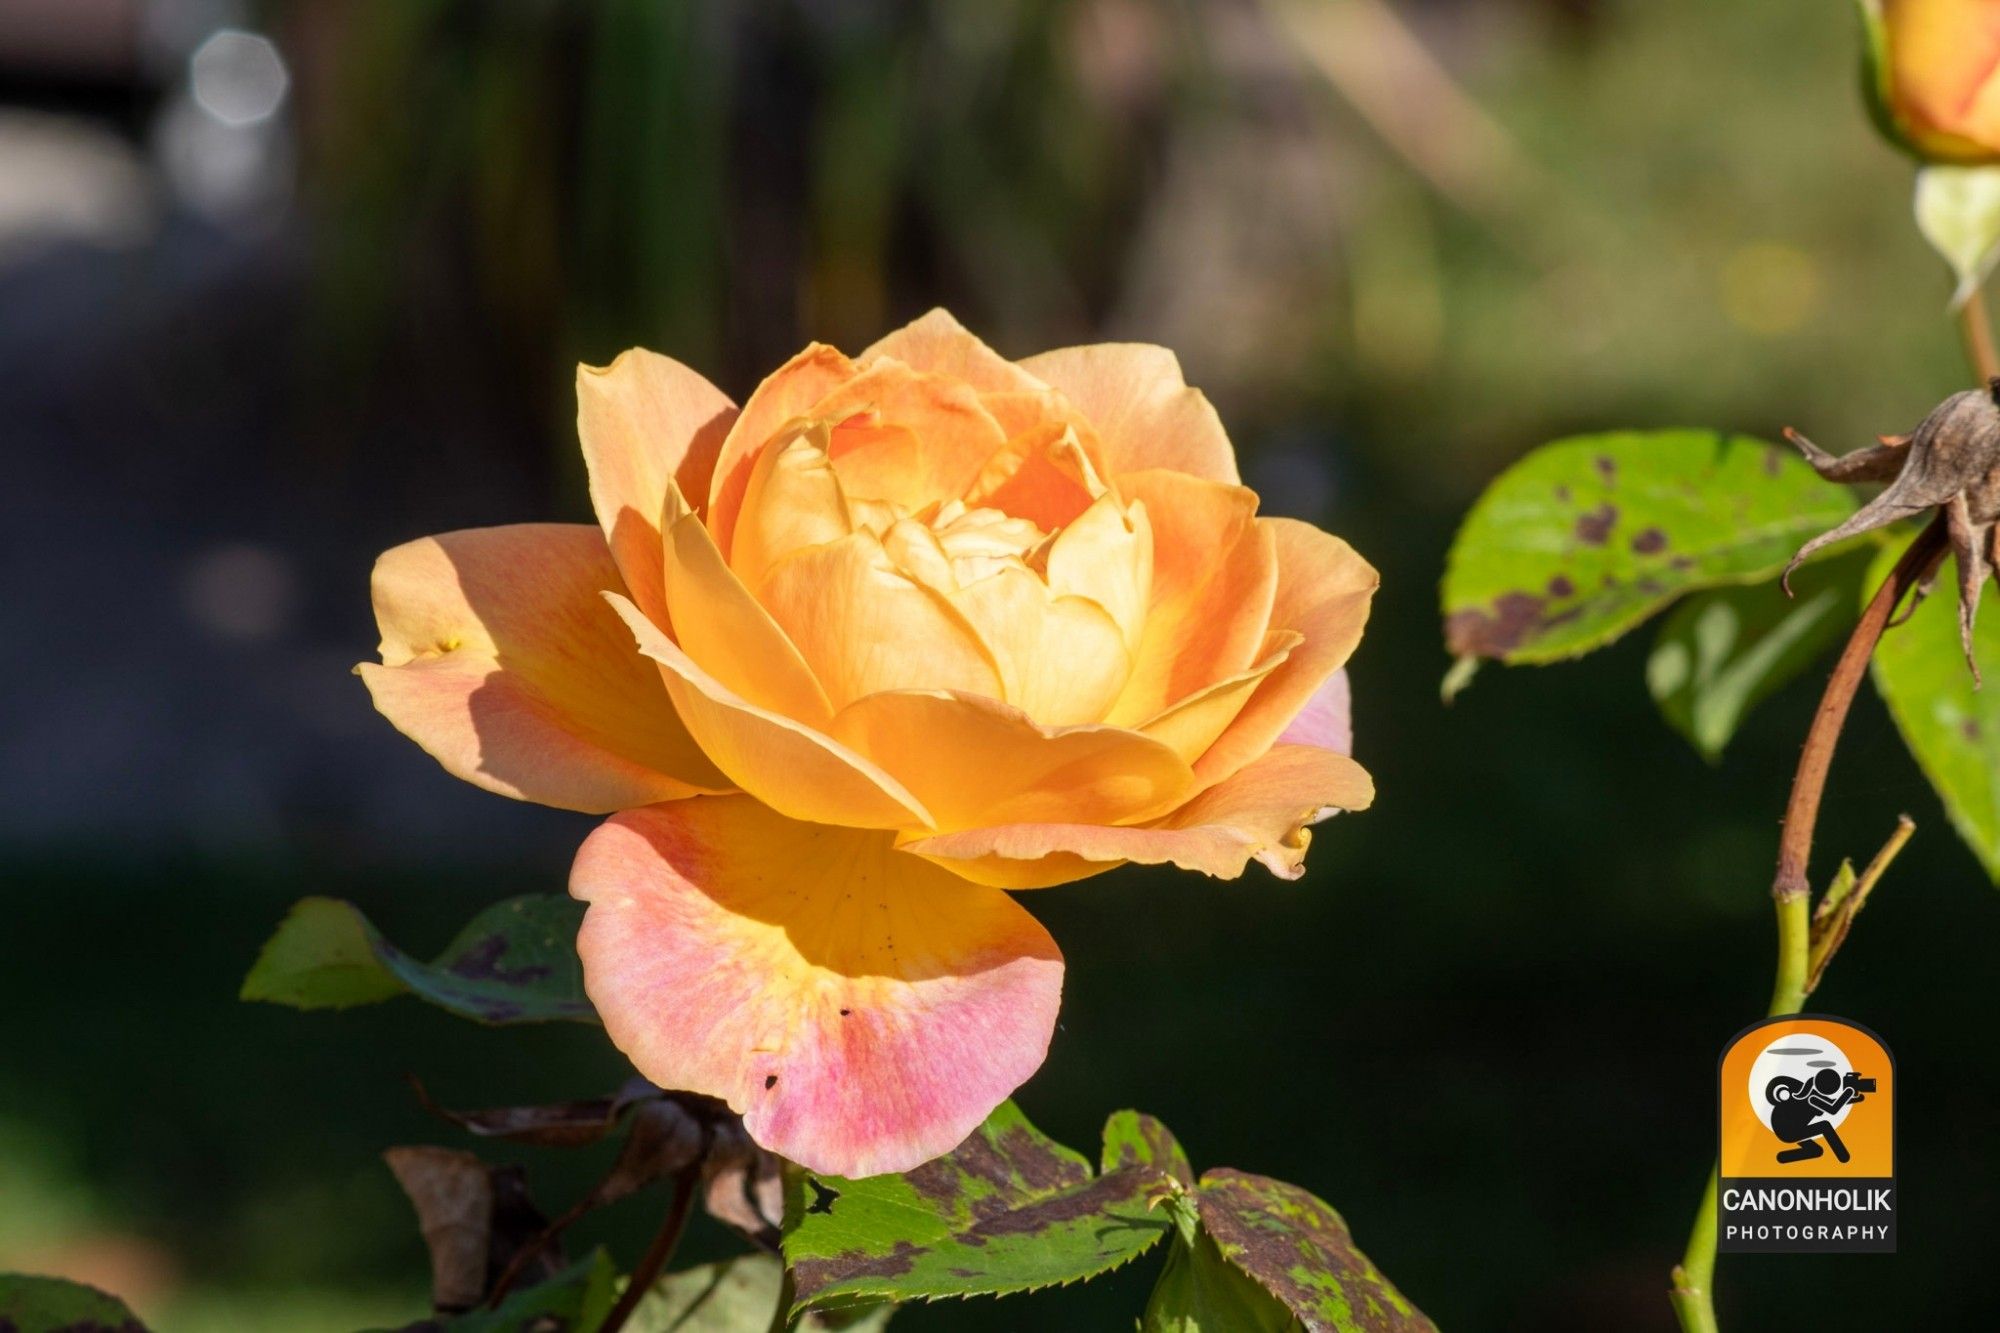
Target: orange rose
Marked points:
900	634
1933	78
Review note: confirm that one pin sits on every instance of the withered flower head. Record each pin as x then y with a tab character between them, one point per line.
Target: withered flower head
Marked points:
1951	461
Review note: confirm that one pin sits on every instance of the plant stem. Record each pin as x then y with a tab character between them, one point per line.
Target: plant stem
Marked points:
661	1250
781	1318
1791	892
1977	330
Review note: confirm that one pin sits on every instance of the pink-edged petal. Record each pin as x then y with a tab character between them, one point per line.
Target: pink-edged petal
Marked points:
862	1009
788	393
937	342
500	658
974	760
1145	414
646	422
1327	719
1324	590
782	762
1261	812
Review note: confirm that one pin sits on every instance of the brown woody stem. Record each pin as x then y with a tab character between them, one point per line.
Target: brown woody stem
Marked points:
665	1240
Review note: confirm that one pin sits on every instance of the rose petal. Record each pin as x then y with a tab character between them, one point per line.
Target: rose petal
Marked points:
865	626
1062	660
1106	555
1215	575
783	763
500	658
1192	725
863	1010
646	421
974	761
727	631
793	501
1324	589
1145	414
1261	811
937	342
906	438
1326	720
787	393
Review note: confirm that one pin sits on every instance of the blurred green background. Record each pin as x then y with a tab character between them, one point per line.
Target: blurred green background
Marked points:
267	308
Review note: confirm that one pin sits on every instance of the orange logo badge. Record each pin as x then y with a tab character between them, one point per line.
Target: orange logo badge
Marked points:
1808	1122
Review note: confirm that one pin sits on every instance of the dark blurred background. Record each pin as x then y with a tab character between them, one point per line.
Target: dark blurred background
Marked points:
282	285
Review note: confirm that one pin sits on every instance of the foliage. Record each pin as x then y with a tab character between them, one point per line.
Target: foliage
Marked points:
513	963
53	1305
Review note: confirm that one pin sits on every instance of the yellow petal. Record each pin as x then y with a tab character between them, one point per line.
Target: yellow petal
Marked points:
1144	413
1192	725
1260	812
500	658
907	438
788	766
730	635
645	421
1042	475
974	760
1215	574
864	625
1324	590
863	1010
1062	660
793	500
937	342
1106	555
787	393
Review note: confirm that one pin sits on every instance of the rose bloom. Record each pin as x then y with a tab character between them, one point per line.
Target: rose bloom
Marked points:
1936	63
848	663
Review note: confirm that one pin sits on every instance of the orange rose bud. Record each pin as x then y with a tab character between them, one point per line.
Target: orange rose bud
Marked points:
1934	76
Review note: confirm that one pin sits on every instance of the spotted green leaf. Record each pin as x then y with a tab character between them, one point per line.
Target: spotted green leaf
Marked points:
1951	728
1008	1210
1723	651
1201	1292
513	963
1585	538
738	1296
1299	1251
56	1305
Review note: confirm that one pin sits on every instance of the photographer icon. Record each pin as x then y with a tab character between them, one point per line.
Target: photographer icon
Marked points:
1801	1111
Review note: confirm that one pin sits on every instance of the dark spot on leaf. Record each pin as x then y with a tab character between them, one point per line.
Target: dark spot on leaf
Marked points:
1773	463
480	961
1650	587
813	1274
966	1273
823	1197
1607	467
1562	495
1593	528
1970	729
1651	541
1681	564
1560	586
1497	633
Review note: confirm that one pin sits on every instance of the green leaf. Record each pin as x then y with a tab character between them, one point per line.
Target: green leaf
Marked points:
1584	538
1958	211
739	1296
1008	1210
1201	1292
1722	652
1951	728
577	1299
56	1305
514	963
1135	1140
1299	1251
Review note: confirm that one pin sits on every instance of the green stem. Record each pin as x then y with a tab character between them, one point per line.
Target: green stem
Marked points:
1791	893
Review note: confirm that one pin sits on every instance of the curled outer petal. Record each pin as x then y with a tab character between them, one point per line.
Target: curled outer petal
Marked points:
1259	812
500	658
935	341
862	1009
646	422
1144	413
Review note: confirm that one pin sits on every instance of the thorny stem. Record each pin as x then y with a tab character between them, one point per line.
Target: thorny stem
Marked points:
661	1250
1791	893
